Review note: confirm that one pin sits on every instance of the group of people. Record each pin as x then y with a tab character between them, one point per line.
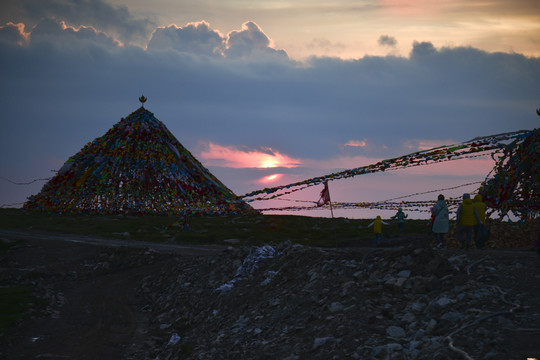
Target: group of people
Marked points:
378	223
470	221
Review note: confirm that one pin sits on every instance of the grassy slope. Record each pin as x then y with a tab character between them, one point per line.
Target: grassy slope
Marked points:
208	230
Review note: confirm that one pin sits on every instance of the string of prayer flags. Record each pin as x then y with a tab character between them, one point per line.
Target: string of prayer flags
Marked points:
480	146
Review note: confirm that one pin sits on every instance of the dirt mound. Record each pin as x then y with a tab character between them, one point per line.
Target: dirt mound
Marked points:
325	304
283	301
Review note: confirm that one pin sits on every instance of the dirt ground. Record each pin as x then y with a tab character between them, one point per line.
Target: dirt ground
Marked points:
96	301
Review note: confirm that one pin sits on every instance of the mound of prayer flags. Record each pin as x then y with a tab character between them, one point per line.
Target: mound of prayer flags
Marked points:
138	167
515	185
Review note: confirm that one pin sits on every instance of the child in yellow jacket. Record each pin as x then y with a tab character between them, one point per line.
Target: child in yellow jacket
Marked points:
377	228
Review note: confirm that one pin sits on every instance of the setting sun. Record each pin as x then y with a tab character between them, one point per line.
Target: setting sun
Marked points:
231	156
270	178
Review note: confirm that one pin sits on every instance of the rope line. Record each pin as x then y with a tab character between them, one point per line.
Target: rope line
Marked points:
24	183
481	146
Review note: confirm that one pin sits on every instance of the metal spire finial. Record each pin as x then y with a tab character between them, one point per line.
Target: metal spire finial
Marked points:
142	99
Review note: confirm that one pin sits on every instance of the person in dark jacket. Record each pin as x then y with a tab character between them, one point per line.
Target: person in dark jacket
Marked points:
481	233
400	216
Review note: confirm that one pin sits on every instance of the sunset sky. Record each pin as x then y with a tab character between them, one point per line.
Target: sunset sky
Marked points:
267	93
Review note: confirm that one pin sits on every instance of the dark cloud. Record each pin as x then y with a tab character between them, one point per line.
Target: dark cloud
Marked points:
422	49
115	20
200	39
14	34
386	40
251	41
54	101
59	34
196	38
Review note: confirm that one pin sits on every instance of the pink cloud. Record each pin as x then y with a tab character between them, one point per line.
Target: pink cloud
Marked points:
341	162
14	33
270	179
421	144
231	156
480	166
356	143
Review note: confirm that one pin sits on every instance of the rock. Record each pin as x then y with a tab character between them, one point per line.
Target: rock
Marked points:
335	307
453	317
444	301
321	341
400	281
285	305
395	332
404	274
418	306
393	347
408	317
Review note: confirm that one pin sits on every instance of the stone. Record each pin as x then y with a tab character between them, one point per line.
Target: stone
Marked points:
418	306
286	306
318	342
404	274
393	347
395	332
452	316
335	307
444	301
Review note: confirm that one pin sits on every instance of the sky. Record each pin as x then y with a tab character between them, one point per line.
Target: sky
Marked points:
268	93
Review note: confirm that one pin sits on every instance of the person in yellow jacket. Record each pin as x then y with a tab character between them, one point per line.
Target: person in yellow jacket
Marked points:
480	231
377	228
466	219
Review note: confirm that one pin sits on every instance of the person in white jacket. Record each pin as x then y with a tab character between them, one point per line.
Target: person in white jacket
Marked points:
441	221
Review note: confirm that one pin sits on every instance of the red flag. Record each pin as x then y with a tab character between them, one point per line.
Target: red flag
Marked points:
325	195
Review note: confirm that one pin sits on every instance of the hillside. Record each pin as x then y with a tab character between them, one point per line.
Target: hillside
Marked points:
280	301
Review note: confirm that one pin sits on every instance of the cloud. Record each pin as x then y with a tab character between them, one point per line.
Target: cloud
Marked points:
426	144
117	21
356	143
326	46
423	49
251	41
269	179
58	33
309	115
385	40
197	38
14	34
231	156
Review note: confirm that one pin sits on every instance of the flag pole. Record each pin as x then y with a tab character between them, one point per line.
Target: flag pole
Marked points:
330	201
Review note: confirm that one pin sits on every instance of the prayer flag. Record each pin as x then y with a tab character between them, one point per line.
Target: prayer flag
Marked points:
325	195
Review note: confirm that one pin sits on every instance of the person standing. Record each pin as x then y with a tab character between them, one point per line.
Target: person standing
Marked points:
480	231
400	216
377	228
441	221
466	219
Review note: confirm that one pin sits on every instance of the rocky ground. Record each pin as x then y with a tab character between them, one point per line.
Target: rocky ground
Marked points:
281	301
